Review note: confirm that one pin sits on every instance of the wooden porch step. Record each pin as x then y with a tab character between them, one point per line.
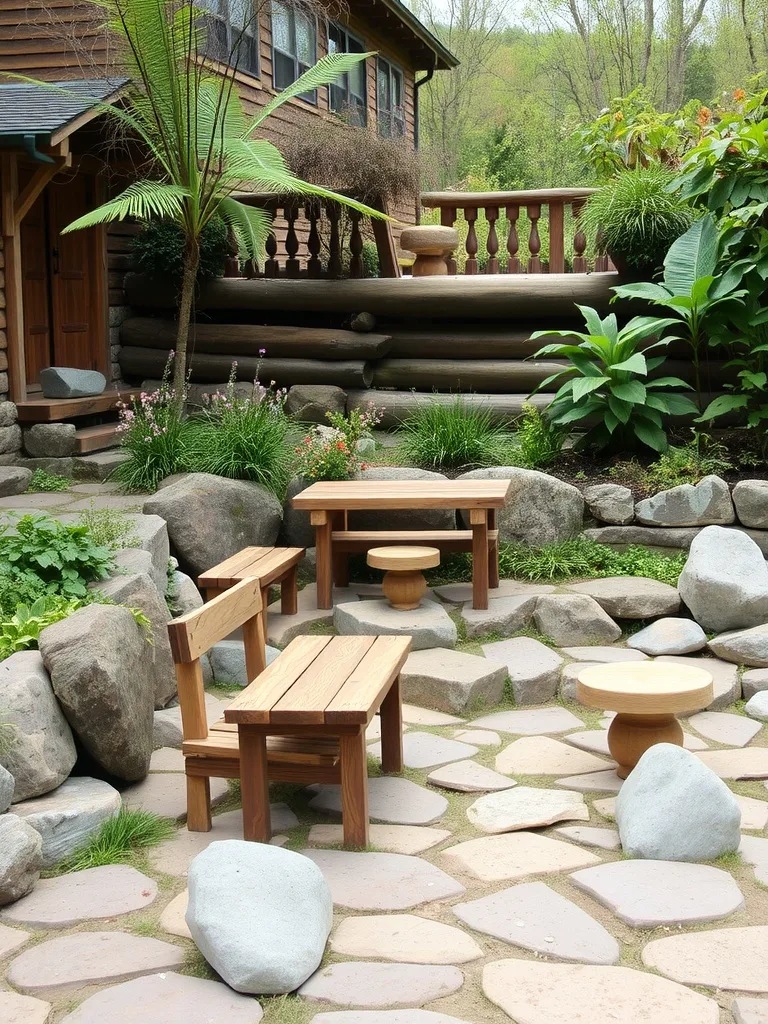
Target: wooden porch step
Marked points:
96	438
53	410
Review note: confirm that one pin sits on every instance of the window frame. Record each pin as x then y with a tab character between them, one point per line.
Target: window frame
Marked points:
349	35
293	14
222	15
392	69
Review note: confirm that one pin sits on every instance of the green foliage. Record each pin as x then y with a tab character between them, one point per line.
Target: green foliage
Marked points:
607	385
538	441
44	481
158	250
357	424
21	630
370	258
21	588
109	528
151	435
63	556
455	436
118	839
320	457
640	216
688	463
582	558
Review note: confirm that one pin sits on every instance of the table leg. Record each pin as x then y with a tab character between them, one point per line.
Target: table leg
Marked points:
629	736
391	715
493	552
478	520
289	592
354	788
254	785
323	549
340	558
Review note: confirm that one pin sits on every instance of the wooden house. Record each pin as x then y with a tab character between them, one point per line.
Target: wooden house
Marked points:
61	297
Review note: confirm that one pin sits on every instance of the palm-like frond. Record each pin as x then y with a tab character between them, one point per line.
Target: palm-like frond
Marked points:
142	200
326	71
251	226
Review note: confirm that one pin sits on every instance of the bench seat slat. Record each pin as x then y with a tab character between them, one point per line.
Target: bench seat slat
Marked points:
310	695
217	574
363	690
268	564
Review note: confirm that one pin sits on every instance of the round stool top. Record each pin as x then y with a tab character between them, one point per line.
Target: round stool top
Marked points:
429	238
403	557
645	688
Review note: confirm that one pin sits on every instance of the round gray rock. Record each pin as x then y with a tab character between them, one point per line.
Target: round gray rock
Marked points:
574	619
754	681
14	480
185	596
296	530
743	646
311	403
539	509
757	706
725	580
50	440
669	636
20	858
429	625
672	807
68	816
610	503
703	504
751	500
259	914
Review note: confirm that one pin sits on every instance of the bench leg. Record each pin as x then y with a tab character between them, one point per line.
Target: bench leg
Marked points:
289	592
493	553
324	566
198	804
478	519
391	715
354	788
254	785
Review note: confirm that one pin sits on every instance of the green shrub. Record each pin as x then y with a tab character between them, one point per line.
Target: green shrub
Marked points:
689	463
538	440
118	838
370	258
455	436
158	249
42	480
640	217
110	528
21	630
151	435
63	556
583	558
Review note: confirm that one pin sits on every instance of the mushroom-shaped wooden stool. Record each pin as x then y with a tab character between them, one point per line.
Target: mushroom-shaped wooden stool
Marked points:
431	243
646	696
404	584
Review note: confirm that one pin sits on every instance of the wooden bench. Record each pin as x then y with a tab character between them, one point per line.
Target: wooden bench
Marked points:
302	720
270	565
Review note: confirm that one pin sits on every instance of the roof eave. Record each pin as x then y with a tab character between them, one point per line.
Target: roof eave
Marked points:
444	59
65	130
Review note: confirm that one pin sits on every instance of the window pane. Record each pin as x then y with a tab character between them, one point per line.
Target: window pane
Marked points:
214	6
382	86
281	29
397	89
240	13
248	53
337	98
357	111
354	45
305	40
335	39
284	72
217	47
357	80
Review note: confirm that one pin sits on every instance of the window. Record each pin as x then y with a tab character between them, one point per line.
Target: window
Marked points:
294	47
389	99
348	95
233	38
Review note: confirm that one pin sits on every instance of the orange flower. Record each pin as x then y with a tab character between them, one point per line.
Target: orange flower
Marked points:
739	95
618	116
705	116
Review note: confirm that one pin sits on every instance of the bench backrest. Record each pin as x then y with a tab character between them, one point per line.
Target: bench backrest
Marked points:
193	634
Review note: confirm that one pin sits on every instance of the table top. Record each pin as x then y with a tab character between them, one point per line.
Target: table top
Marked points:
356	494
645	688
322	680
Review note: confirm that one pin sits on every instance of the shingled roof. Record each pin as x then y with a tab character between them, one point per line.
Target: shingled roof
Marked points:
42	110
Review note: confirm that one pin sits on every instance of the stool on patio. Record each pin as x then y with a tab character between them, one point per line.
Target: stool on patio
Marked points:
404	584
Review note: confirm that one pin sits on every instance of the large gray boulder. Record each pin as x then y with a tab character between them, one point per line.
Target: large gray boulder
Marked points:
311	402
67	817
631	597
39	751
296	531
672	807
743	646
260	915
20	858
705	503
151	534
182	594
139	591
540	509
50	440
71	382
751	500
669	636
574	619
14	480
210	517
100	665
451	681
6	789
402	519
724	583
610	503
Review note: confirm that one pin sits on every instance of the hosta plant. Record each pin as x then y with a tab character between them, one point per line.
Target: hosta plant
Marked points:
607	389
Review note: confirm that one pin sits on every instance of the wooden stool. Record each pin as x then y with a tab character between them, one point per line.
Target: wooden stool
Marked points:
404	582
432	243
646	696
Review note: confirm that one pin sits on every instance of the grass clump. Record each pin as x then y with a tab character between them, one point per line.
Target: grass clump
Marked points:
581	558
42	480
455	436
118	839
537	439
680	464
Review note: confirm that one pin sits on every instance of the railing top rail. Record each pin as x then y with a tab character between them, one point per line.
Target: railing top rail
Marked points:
461	200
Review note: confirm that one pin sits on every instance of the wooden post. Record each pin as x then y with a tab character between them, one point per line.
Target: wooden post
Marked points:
493	552
556	238
312	213
470	216
391	715
492	215
513	242
354	788
14	309
355	245
478	520
254	785
448	219
292	264
289	592
385	242
323	544
534	242
334	242
579	242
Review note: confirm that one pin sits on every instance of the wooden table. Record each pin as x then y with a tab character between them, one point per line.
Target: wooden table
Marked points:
329	502
646	696
327	687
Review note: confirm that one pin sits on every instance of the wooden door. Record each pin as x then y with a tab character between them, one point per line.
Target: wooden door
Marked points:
35	290
78	297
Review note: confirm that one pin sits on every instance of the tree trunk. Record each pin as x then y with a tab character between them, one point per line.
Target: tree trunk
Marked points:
189	279
748	36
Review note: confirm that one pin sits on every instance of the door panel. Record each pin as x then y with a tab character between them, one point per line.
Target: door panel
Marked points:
35	291
77	277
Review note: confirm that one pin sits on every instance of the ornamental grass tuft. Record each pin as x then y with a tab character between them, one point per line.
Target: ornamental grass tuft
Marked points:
118	839
456	436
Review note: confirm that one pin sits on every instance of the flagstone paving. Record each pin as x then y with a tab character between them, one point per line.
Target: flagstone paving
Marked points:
18	1009
535	722
750	1011
173	919
469	777
405	938
479	737
408	839
754	813
593	782
541	755
385	1017
392	800
425	750
722	958
602	838
525	807
516	855
535	917
754	851
11	939
374	984
648	893
732	730
749	763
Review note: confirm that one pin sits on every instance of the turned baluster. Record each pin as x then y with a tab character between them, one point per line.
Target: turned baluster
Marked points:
513	242
448	219
312	213
580	243
292	264
333	213
271	267
534	242
557	238
355	245
492	245
470	215
250	269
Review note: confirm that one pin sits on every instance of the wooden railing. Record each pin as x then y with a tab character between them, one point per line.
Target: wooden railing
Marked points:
552	203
